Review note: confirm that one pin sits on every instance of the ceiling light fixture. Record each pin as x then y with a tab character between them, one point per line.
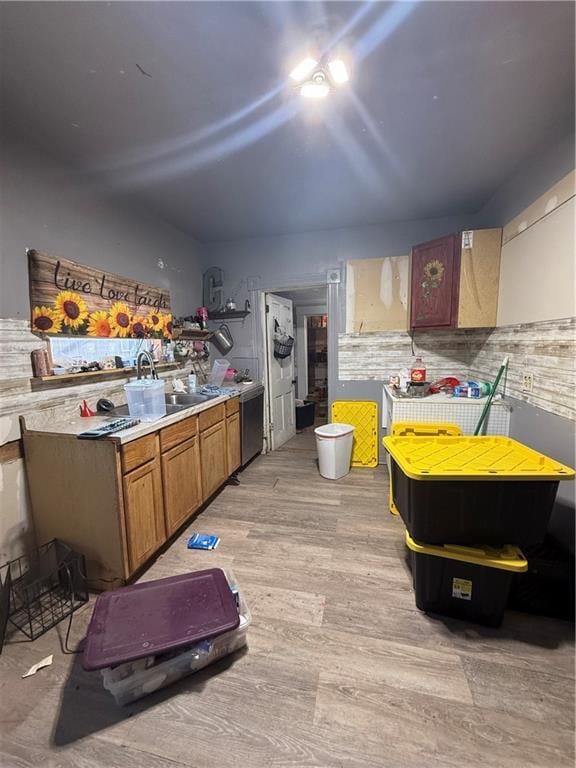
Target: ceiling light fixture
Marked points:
338	71
303	69
316	88
316	80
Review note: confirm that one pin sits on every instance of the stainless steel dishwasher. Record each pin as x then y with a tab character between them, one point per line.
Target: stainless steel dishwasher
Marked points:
252	422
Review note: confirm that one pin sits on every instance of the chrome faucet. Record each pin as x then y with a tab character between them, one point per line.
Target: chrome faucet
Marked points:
147	356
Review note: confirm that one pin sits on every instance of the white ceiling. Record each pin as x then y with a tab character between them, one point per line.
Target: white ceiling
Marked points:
186	106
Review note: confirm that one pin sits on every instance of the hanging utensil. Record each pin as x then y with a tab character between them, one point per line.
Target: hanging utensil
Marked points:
222	338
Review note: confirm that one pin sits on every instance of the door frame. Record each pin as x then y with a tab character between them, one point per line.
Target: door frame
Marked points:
332	281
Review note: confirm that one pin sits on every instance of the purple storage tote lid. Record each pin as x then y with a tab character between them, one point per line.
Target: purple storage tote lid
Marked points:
158	616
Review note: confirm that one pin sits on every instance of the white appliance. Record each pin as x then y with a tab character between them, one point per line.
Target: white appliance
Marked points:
442	408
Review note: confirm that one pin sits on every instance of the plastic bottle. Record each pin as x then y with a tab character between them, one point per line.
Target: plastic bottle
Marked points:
472	389
418	371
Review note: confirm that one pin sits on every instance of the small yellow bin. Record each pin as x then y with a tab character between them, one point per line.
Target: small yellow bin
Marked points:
420	429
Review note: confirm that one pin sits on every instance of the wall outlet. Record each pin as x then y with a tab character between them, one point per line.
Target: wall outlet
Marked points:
527	381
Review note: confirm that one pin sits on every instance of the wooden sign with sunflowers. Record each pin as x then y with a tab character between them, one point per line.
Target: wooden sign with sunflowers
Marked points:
69	298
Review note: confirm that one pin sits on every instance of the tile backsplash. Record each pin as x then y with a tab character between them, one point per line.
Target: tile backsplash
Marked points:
544	349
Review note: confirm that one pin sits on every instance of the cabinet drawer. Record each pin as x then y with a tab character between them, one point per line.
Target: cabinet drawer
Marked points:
138	452
232	406
211	416
177	433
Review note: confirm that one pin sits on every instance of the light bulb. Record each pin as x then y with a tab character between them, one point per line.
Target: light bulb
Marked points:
303	69
314	90
338	71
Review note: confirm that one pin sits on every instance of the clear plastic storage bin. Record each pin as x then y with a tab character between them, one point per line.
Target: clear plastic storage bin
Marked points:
131	681
145	399
218	372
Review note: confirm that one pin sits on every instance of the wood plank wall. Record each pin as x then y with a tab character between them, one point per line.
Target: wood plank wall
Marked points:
17	396
546	349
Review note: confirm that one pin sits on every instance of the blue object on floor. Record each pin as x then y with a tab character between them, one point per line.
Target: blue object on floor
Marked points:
203	541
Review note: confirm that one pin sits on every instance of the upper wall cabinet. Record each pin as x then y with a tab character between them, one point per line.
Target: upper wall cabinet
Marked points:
377	294
454	281
434	283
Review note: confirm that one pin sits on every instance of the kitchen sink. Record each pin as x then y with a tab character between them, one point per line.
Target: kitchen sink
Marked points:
175	403
122	410
187	400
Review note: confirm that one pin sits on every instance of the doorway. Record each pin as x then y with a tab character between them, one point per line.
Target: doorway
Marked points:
299	379
316	330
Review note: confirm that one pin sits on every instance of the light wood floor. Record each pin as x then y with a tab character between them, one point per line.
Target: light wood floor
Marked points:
342	670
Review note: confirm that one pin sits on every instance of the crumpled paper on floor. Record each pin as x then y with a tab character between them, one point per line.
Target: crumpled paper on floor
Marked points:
39	665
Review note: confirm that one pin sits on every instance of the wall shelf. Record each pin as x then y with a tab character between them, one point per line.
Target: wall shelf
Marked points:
237	314
91	377
190	335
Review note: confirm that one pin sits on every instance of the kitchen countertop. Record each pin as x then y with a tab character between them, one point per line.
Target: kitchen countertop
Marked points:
78	424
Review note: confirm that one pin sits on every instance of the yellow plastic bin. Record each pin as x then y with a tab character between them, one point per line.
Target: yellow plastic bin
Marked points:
420	429
363	416
470	583
465	490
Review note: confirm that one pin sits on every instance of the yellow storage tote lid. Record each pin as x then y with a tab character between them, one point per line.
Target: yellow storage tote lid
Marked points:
472	458
507	558
424	428
363	415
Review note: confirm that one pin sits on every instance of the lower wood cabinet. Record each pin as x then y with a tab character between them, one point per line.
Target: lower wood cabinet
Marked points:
213	458
118	503
182	483
144	512
233	442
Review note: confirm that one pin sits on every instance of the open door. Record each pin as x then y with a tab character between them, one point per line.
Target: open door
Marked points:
280	373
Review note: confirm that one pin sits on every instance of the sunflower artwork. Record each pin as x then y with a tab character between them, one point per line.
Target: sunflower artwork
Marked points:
70	315
433	276
72	299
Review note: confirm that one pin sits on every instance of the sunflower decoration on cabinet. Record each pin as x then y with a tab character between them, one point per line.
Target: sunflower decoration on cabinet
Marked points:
433	275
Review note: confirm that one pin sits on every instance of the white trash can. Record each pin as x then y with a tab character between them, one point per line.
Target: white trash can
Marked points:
334	445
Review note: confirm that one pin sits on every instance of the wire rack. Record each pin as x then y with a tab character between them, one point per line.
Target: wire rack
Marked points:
40	589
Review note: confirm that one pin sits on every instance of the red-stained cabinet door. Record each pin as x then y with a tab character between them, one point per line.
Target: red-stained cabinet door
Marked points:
435	283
